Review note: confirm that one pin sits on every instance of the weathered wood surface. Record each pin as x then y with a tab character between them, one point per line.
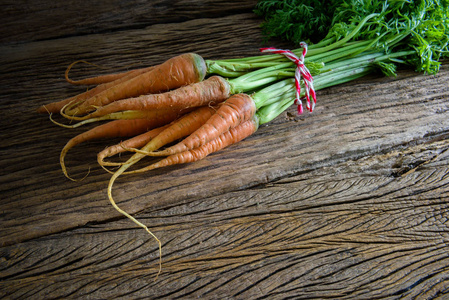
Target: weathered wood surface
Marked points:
348	202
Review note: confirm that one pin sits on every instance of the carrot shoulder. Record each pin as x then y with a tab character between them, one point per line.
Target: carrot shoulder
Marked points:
237	109
174	73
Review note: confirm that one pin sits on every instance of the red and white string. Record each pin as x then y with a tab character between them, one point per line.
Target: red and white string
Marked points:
301	70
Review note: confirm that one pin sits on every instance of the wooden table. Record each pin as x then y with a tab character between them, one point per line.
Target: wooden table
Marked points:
349	202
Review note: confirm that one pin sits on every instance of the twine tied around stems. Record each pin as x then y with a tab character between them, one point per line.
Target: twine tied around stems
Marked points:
301	70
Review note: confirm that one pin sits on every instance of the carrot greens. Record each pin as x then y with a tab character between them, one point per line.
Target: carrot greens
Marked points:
421	25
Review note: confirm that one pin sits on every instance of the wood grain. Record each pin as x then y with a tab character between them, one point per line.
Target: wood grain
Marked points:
42	20
350	202
343	231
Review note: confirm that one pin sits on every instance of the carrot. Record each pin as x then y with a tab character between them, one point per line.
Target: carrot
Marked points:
208	92
135	142
174	73
178	129
57	106
117	128
232	136
101	78
163	114
237	109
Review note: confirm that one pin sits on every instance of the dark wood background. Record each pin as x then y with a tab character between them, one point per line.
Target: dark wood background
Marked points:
349	202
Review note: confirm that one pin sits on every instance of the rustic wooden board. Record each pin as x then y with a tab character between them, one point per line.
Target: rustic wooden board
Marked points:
348	202
41	20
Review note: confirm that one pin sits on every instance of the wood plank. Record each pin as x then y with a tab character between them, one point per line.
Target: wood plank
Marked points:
347	202
40	20
350	230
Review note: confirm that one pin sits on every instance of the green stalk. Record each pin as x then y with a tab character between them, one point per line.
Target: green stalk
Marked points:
271	104
313	62
343	52
274	92
276	98
270	112
277	57
341	42
258	78
322	47
326	50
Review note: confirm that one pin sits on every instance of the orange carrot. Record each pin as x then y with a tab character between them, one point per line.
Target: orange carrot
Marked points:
101	78
232	136
174	73
135	142
57	106
178	129
117	128
160	114
208	92
237	109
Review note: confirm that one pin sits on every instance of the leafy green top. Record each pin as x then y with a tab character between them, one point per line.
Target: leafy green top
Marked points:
296	20
398	25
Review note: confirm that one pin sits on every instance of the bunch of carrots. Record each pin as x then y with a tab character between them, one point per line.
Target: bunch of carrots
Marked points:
187	107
